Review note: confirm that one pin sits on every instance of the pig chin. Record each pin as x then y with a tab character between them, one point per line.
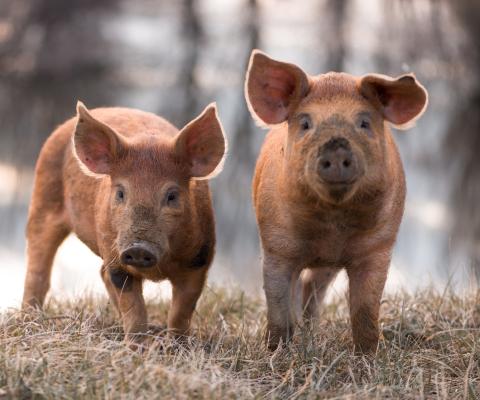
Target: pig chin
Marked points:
340	194
337	194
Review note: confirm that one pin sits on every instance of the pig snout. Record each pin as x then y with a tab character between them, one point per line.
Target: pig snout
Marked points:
140	255
337	162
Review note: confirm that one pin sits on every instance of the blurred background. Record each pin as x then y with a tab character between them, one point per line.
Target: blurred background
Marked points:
174	57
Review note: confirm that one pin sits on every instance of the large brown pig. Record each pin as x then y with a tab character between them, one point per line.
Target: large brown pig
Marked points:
329	187
134	189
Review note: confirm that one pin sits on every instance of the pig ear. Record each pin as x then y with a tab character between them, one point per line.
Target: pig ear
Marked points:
402	100
273	88
95	144
202	144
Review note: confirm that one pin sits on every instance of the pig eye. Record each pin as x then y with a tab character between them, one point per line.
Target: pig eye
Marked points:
305	122
120	195
171	197
364	124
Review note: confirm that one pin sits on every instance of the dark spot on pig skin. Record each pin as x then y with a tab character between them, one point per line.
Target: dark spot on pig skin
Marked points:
193	306
201	259
121	279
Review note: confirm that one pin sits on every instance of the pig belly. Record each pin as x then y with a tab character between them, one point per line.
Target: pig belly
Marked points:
327	253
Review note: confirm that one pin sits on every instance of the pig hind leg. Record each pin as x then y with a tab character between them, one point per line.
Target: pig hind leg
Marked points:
314	284
46	230
280	277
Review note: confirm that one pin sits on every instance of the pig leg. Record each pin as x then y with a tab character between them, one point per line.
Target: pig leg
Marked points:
133	310
125	291
315	283
45	232
279	278
111	288
366	283
186	290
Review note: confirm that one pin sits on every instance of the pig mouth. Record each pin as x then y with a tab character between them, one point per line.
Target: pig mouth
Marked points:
340	192
339	185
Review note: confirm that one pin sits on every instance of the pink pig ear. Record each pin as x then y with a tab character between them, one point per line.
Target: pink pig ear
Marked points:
273	88
95	144
402	100
202	144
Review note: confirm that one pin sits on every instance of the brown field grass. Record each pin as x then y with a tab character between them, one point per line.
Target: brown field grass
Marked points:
430	349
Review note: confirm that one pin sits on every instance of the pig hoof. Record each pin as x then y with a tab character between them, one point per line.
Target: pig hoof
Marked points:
273	342
32	304
272	346
366	349
137	346
278	337
156	330
138	342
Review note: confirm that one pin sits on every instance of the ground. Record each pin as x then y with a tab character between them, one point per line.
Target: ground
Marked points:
429	349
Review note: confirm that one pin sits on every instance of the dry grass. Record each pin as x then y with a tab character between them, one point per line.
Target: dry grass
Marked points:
74	350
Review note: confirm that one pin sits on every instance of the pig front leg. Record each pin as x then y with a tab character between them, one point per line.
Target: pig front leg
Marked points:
125	292
186	289
366	283
279	276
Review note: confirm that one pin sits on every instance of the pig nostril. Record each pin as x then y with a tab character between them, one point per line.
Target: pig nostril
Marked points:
326	164
346	163
128	257
147	259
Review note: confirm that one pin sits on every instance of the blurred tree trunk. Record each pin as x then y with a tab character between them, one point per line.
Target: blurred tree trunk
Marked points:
193	36
243	136
337	10
44	65
242	161
463	140
52	52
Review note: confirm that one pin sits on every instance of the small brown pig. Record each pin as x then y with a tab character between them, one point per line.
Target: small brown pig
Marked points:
329	187
135	190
